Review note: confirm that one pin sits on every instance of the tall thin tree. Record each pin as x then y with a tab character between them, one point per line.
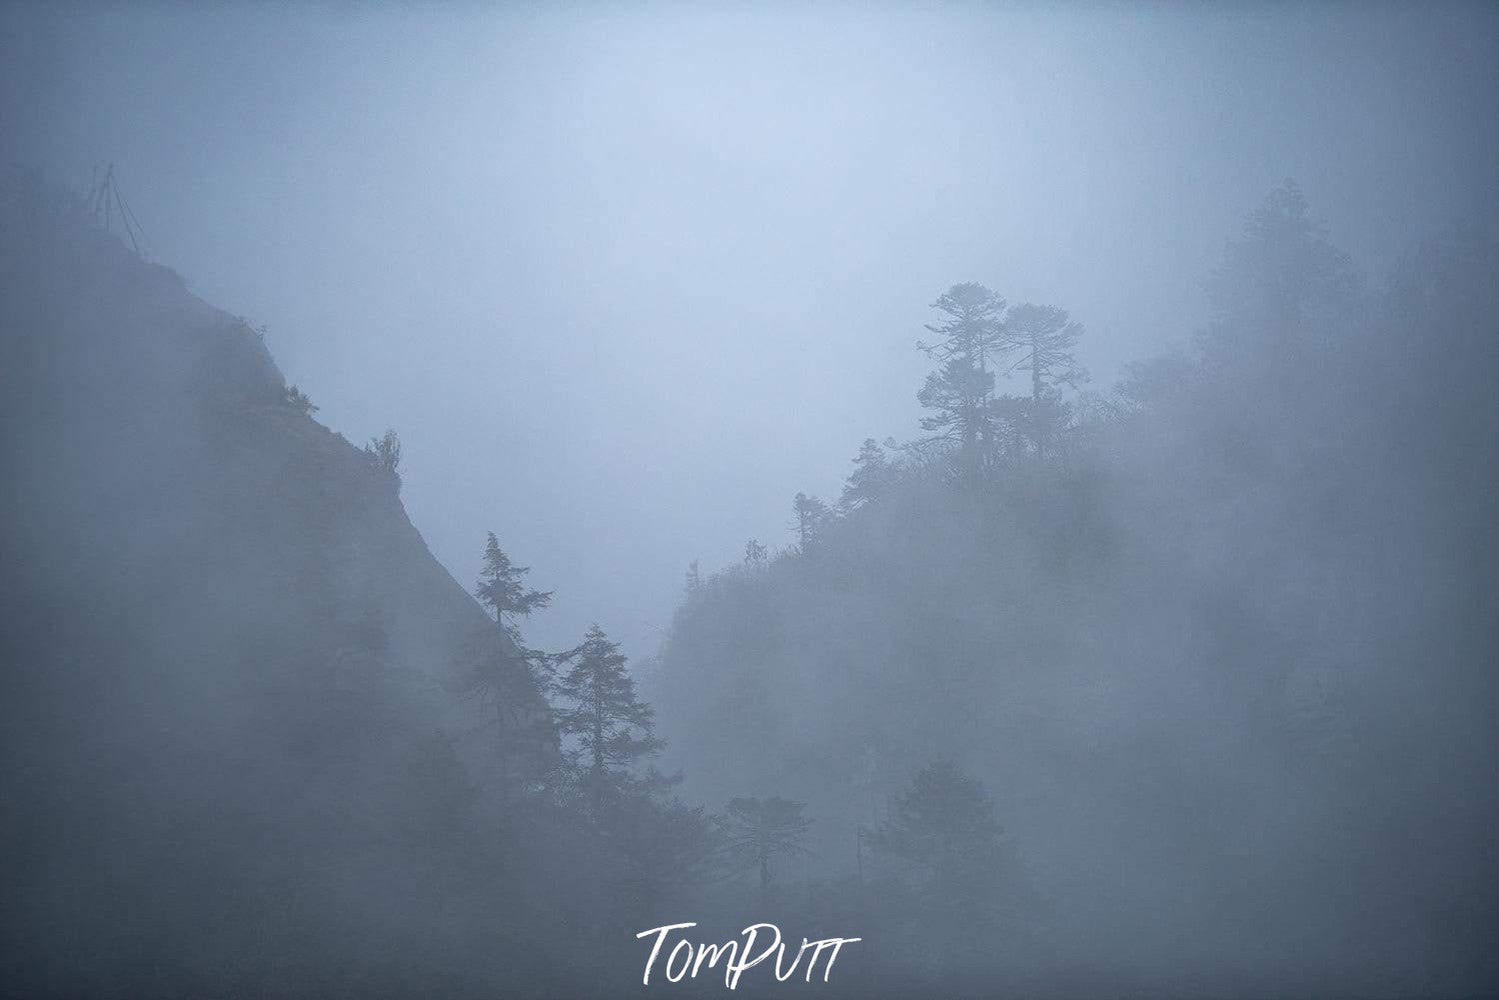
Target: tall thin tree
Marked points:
516	677
970	342
1043	339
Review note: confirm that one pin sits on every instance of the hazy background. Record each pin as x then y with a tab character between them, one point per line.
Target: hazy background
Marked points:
624	281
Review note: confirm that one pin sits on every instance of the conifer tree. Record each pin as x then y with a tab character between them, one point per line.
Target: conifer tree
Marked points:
970	327
872	474
942	829
384	453
1043	339
812	516
1281	267
1278	287
969	345
502	592
514	676
614	729
757	831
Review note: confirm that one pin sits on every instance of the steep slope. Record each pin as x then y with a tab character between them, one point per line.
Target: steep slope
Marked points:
235	754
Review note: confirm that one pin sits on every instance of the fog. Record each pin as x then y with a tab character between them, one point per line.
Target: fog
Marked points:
626	279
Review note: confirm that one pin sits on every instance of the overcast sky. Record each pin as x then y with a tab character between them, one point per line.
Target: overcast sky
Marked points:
625	281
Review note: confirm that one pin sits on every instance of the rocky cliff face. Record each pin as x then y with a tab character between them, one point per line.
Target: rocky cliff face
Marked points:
236	753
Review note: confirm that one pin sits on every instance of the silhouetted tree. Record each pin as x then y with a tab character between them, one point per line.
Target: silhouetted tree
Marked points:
299	401
384	453
757	831
1043	339
871	476
754	554
812	516
942	828
613	727
502	592
942	822
513	677
971	326
970	340
1276	276
694	579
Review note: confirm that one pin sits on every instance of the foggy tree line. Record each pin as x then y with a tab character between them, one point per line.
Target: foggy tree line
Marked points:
1013	476
1215	536
976	434
1161	633
1180	686
943	824
941	842
1273	279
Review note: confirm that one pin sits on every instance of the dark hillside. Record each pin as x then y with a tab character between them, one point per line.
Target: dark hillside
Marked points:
230	718
1226	664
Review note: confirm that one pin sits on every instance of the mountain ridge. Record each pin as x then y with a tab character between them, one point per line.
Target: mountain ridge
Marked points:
234	653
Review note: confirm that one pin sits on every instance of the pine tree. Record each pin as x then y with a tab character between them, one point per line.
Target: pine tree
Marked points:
970	327
970	344
757	831
1043	339
502	592
614	729
1278	287
1281	267
942	822
872	474
384	454
299	401
694	579
515	675
812	516
754	554
942	828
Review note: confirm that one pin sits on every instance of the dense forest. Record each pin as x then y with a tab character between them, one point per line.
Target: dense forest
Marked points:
1101	667
1217	685
1076	688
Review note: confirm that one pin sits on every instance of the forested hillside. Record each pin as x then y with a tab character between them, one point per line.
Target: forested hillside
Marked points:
244	753
1218	641
1180	686
656	499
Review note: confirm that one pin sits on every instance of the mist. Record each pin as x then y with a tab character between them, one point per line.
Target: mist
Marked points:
585	254
1197	618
